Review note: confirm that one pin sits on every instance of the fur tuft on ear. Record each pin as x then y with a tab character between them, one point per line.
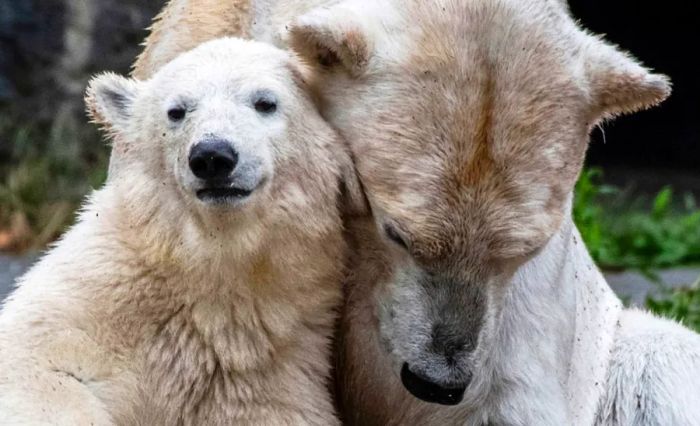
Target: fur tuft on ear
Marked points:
109	99
620	85
332	38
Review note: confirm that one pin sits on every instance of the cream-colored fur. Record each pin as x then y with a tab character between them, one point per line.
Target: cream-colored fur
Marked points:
469	123
156	308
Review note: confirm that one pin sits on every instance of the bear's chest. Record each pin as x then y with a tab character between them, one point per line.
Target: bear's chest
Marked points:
207	362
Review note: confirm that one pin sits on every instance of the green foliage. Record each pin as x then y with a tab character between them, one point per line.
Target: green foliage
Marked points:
589	213
43	179
621	234
681	304
633	234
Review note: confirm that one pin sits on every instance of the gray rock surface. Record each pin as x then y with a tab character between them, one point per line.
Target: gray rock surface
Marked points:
12	267
634	287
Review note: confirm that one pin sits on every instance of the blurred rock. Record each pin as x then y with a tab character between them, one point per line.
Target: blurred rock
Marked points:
50	48
30	42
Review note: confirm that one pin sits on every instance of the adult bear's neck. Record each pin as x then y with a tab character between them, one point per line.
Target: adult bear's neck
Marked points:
558	323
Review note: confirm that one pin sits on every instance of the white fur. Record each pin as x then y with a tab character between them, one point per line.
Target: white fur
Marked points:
653	374
383	67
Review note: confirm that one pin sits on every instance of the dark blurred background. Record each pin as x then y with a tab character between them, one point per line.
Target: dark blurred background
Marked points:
48	50
661	145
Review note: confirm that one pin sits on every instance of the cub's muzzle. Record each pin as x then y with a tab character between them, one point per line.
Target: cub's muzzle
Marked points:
212	160
222	176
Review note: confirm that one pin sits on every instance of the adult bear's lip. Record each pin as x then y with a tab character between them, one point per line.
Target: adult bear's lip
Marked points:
428	391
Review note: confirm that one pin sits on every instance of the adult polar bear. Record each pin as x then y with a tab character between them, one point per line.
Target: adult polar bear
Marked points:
469	122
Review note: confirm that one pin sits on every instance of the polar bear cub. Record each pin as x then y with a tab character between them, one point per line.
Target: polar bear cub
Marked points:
199	285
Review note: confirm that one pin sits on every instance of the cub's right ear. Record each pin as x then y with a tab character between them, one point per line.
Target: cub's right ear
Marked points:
109	99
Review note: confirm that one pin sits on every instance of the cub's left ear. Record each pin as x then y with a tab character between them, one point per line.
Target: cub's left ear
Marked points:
109	99
333	38
353	199
619	84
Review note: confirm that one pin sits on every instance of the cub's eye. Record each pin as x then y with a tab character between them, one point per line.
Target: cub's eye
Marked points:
394	236
265	106
177	114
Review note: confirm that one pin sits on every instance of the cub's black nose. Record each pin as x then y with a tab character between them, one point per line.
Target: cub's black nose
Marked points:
429	391
212	159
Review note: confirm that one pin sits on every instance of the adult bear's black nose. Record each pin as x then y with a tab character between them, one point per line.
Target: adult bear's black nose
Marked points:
212	159
428	391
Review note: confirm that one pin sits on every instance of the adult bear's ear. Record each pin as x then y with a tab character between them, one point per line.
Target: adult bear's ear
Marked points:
109	99
619	84
333	38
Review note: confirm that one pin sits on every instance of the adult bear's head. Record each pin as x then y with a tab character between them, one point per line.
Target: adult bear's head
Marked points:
469	122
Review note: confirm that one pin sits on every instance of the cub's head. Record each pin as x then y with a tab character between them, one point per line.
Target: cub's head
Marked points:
469	122
227	132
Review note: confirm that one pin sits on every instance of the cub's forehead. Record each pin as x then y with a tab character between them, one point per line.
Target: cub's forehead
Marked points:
233	51
227	61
